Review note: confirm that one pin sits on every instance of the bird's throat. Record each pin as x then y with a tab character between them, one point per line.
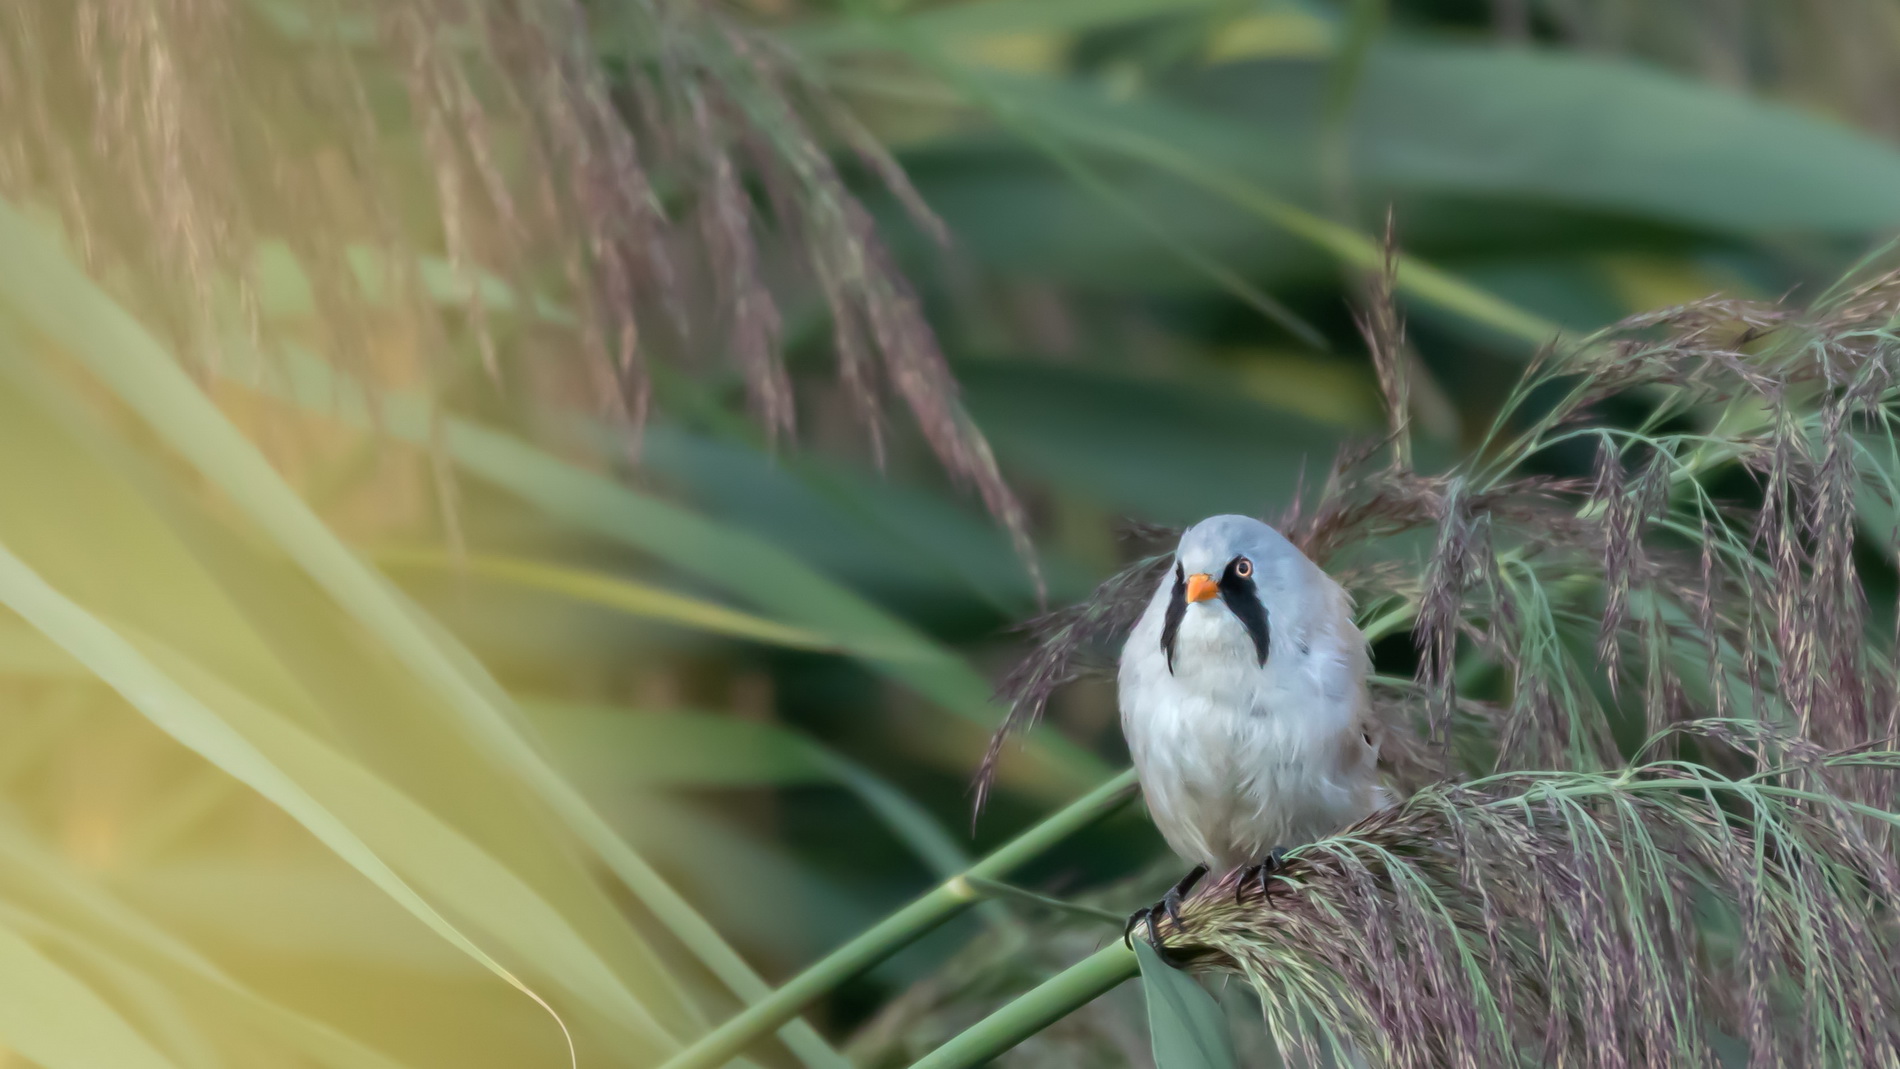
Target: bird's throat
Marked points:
1213	634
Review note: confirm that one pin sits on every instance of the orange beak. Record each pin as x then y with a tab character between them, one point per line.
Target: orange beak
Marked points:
1201	586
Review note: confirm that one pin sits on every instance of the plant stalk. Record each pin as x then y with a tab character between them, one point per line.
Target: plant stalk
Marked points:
899	930
1052	1000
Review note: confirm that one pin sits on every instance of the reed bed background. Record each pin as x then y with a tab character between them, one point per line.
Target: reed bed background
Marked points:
520	519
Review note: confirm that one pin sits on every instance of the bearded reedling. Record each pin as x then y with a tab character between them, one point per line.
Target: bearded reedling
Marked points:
1244	702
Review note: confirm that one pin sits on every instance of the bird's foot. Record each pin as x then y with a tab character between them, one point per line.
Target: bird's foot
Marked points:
1135	920
1169	907
1258	875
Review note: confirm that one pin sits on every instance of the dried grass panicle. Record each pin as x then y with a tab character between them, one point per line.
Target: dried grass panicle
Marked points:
1384	332
1521	560
1591	920
1730	885
1072	643
1676	574
652	199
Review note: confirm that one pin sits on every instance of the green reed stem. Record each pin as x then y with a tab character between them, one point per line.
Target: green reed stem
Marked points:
899	930
1052	1000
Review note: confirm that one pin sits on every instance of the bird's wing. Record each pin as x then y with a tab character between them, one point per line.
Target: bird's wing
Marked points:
1142	659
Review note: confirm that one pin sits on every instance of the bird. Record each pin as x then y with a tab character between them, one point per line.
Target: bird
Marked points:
1243	700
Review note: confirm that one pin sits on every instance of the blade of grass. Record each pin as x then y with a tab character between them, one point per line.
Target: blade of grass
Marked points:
906	37
1415	278
468	881
733	560
46	884
1054	115
51	1016
608	591
147	1006
43	286
703	750
174	709
912	823
1184	1022
985	18
1000	889
100	518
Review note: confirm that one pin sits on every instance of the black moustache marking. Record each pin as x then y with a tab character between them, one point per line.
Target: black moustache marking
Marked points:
1243	599
1177	608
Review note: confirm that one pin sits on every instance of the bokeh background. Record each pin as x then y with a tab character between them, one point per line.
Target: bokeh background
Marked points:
499	498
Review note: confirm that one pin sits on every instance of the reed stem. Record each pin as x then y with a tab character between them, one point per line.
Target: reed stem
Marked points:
1050	1001
899	930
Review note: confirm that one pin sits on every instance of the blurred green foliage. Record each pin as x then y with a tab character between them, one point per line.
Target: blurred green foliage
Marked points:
343	694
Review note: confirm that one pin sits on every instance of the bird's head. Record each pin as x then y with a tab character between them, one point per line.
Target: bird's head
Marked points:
1235	565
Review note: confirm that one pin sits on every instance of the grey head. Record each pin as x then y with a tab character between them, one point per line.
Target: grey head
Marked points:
1239	564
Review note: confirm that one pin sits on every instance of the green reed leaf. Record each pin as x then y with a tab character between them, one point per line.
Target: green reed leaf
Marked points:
1187	1026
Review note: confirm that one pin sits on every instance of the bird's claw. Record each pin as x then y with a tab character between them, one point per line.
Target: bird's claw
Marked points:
1144	915
1258	875
1169	907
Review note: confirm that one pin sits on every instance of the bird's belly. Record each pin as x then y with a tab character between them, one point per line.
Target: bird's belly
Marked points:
1225	787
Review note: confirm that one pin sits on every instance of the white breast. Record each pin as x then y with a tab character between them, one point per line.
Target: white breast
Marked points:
1236	758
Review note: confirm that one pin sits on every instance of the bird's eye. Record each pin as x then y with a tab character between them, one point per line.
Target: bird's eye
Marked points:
1243	567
